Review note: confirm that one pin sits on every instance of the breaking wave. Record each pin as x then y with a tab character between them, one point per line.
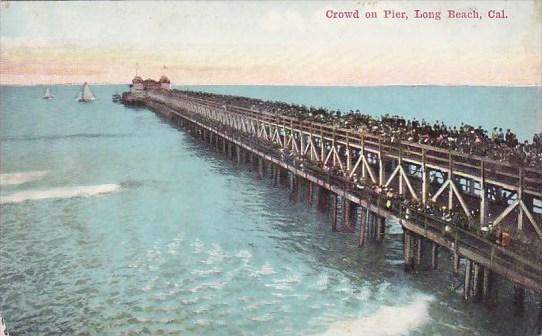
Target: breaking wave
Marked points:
59	193
22	177
386	321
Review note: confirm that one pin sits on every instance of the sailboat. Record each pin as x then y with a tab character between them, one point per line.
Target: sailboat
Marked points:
85	95
47	94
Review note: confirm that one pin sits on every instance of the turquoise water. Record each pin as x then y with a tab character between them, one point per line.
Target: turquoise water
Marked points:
113	222
519	108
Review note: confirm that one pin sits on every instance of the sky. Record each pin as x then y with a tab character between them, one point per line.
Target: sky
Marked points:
273	43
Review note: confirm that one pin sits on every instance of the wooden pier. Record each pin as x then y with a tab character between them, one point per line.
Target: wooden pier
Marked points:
349	171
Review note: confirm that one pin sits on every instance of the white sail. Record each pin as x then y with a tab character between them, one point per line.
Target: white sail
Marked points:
86	94
47	94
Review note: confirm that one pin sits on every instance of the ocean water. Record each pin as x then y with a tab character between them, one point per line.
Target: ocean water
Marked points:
114	222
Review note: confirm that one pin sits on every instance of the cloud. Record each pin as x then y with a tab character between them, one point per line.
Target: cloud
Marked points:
287	21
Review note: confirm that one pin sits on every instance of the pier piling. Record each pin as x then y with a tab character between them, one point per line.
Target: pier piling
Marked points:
362	226
260	168
334	204
408	250
539	331
487	287
456	260
382	228
347	226
519	299
309	193
434	256
476	292
468	280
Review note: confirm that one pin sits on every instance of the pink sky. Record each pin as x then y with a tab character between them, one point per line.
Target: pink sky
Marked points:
269	43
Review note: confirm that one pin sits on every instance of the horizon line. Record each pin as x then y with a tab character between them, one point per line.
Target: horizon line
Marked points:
291	85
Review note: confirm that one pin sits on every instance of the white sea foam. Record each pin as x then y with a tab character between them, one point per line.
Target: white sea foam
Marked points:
244	254
209	285
59	193
216	255
262	318
323	281
21	177
197	246
174	246
211	271
266	269
386	321
280	286
363	294
286	283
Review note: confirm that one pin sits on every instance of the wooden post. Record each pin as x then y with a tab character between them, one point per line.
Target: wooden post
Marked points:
539	327
407	251
319	201
381	228
323	199
334	213
362	153
424	177
251	160
260	167
291	178
519	299
367	228
520	198
419	242
333	147
477	283
310	144
296	186
400	175
375	226
362	225
456	263
322	144
468	279
371	226
309	194
434	256
347	226
483	202
348	156
486	286
380	163
451	178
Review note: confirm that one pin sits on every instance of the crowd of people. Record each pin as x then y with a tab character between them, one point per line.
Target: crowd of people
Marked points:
498	144
388	198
